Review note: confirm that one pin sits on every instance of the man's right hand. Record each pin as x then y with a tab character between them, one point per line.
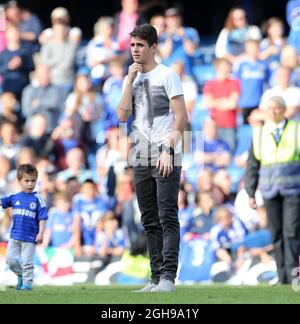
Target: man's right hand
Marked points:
252	203
133	71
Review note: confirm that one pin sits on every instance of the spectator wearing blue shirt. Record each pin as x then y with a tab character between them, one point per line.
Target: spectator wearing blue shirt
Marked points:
231	41
273	44
59	227
29	214
110	245
88	209
102	50
178	42
110	242
112	93
184	212
293	18
15	63
202	217
30	27
226	235
253	75
214	152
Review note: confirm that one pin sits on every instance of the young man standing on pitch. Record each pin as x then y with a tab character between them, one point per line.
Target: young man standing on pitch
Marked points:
153	94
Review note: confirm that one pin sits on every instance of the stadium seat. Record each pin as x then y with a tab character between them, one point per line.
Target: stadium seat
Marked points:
244	138
198	116
203	73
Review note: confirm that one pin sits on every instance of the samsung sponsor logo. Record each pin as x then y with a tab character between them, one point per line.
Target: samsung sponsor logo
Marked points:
248	74
24	212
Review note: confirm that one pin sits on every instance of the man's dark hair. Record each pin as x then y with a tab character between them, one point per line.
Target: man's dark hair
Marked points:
146	32
26	169
89	181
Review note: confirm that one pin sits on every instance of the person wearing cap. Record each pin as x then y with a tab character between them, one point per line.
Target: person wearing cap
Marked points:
274	168
178	42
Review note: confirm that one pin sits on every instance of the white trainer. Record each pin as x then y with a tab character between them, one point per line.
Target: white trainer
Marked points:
147	288
164	286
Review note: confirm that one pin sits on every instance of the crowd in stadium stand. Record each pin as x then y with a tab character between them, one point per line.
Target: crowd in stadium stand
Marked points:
58	104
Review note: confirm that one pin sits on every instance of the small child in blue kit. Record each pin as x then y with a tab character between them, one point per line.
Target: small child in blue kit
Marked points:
29	214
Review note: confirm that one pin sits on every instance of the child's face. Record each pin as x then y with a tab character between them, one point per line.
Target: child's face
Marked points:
28	182
206	200
89	191
226	220
223	68
252	49
110	226
8	134
8	100
63	205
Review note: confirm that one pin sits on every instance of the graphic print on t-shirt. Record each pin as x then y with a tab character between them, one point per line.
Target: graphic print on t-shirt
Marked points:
143	101
150	102
153	116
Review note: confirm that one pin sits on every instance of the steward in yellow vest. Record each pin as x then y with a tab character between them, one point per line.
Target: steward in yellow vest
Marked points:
274	167
279	162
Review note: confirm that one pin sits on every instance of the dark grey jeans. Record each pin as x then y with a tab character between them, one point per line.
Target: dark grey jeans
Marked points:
158	202
284	223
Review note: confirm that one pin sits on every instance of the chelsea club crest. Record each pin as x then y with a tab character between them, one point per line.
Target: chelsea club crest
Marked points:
32	206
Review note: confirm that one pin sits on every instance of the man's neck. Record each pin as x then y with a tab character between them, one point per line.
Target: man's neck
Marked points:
284	87
13	46
273	123
148	67
282	122
221	77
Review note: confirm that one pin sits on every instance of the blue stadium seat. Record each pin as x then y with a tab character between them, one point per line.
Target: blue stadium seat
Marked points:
202	74
198	116
236	175
244	138
205	54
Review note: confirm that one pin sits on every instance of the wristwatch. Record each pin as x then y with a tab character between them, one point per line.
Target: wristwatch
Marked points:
168	149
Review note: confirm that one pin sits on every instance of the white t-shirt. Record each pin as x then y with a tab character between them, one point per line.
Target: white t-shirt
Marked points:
152	115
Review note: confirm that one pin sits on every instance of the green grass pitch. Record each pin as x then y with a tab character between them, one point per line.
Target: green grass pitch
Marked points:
196	294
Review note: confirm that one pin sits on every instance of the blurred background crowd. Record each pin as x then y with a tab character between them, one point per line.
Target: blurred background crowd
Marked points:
58	97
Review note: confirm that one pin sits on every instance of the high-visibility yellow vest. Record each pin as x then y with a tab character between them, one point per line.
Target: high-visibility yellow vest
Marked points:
280	164
268	152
